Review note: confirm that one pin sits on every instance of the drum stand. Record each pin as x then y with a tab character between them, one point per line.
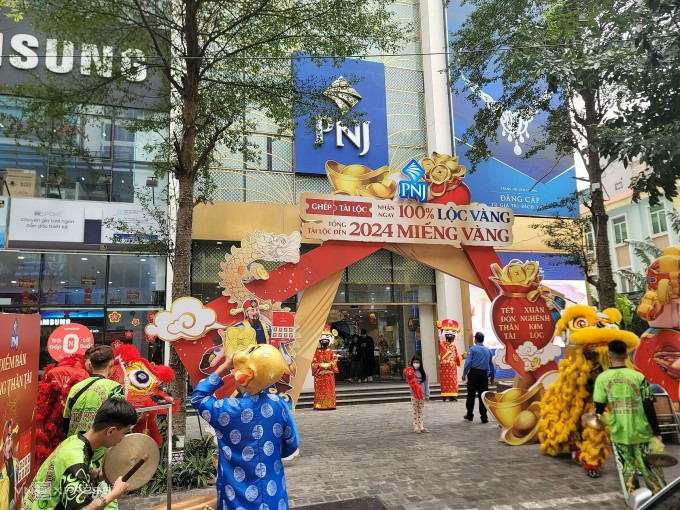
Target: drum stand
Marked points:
161	407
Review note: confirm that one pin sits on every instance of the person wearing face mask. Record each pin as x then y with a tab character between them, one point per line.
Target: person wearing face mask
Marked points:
420	392
449	360
324	368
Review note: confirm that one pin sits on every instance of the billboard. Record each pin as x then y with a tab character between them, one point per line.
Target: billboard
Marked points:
355	86
507	179
42	222
19	356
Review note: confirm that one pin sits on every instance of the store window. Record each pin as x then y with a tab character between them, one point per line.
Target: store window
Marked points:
136	280
658	217
73	279
620	230
126	325
96	157
65	288
19	280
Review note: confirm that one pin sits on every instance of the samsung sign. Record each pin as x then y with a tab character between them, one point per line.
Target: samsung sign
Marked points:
26	53
364	143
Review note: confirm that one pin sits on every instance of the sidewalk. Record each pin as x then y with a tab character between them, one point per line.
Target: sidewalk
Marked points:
370	452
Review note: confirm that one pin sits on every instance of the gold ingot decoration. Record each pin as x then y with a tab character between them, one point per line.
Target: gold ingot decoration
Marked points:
518	412
360	180
378	190
262	273
517	273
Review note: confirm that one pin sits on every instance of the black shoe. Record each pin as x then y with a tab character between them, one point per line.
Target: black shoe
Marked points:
593	473
485	420
443	399
454	399
467	417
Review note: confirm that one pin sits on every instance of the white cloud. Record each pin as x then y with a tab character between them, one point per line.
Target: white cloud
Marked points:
187	319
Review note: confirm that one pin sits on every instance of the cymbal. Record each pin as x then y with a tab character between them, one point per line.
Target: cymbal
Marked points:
593	421
126	455
660	460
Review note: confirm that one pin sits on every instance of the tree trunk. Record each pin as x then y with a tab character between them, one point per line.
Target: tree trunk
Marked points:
181	286
605	279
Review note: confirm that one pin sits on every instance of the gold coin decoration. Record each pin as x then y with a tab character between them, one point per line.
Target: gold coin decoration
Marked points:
442	172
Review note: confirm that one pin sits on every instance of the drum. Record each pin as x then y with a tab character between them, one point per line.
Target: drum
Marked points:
136	456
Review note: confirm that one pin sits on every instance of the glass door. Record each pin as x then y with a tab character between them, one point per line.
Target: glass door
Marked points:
393	328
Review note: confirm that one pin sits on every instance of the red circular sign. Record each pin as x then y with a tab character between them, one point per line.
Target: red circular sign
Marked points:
69	339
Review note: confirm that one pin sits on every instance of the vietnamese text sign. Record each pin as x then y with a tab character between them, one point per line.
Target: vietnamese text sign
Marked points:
346	218
19	357
36	222
69	339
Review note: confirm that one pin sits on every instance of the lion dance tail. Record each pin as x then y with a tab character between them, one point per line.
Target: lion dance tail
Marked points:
563	404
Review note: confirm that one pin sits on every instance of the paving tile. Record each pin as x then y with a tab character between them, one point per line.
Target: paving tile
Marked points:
369	451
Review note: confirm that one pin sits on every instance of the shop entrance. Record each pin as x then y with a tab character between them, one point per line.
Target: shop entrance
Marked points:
395	330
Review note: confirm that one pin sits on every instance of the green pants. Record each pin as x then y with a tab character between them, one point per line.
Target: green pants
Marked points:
630	458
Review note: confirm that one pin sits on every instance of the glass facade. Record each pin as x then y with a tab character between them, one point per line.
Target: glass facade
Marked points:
112	295
93	156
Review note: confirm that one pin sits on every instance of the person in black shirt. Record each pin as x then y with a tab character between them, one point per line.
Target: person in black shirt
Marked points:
367	357
354	359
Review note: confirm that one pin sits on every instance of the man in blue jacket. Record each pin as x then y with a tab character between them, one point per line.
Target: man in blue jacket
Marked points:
478	370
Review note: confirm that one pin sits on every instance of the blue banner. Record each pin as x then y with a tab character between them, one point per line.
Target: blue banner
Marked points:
507	179
553	267
4	207
362	86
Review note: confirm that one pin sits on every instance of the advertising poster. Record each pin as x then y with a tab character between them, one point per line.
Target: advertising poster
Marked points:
19	356
38	222
4	207
508	179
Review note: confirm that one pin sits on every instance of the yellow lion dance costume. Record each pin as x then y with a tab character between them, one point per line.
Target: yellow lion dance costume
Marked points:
588	333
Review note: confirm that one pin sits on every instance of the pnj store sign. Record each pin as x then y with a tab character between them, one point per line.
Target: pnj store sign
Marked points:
347	218
356	86
414	188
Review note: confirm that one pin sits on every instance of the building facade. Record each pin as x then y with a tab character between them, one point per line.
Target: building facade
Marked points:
396	299
629	220
58	256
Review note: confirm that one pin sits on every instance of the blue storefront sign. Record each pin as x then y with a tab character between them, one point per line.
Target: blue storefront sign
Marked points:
4	207
507	179
363	92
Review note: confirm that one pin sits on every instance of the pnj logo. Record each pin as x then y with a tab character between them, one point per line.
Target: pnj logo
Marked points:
414	188
346	98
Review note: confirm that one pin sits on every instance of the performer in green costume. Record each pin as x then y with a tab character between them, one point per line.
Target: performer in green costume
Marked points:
632	419
63	482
